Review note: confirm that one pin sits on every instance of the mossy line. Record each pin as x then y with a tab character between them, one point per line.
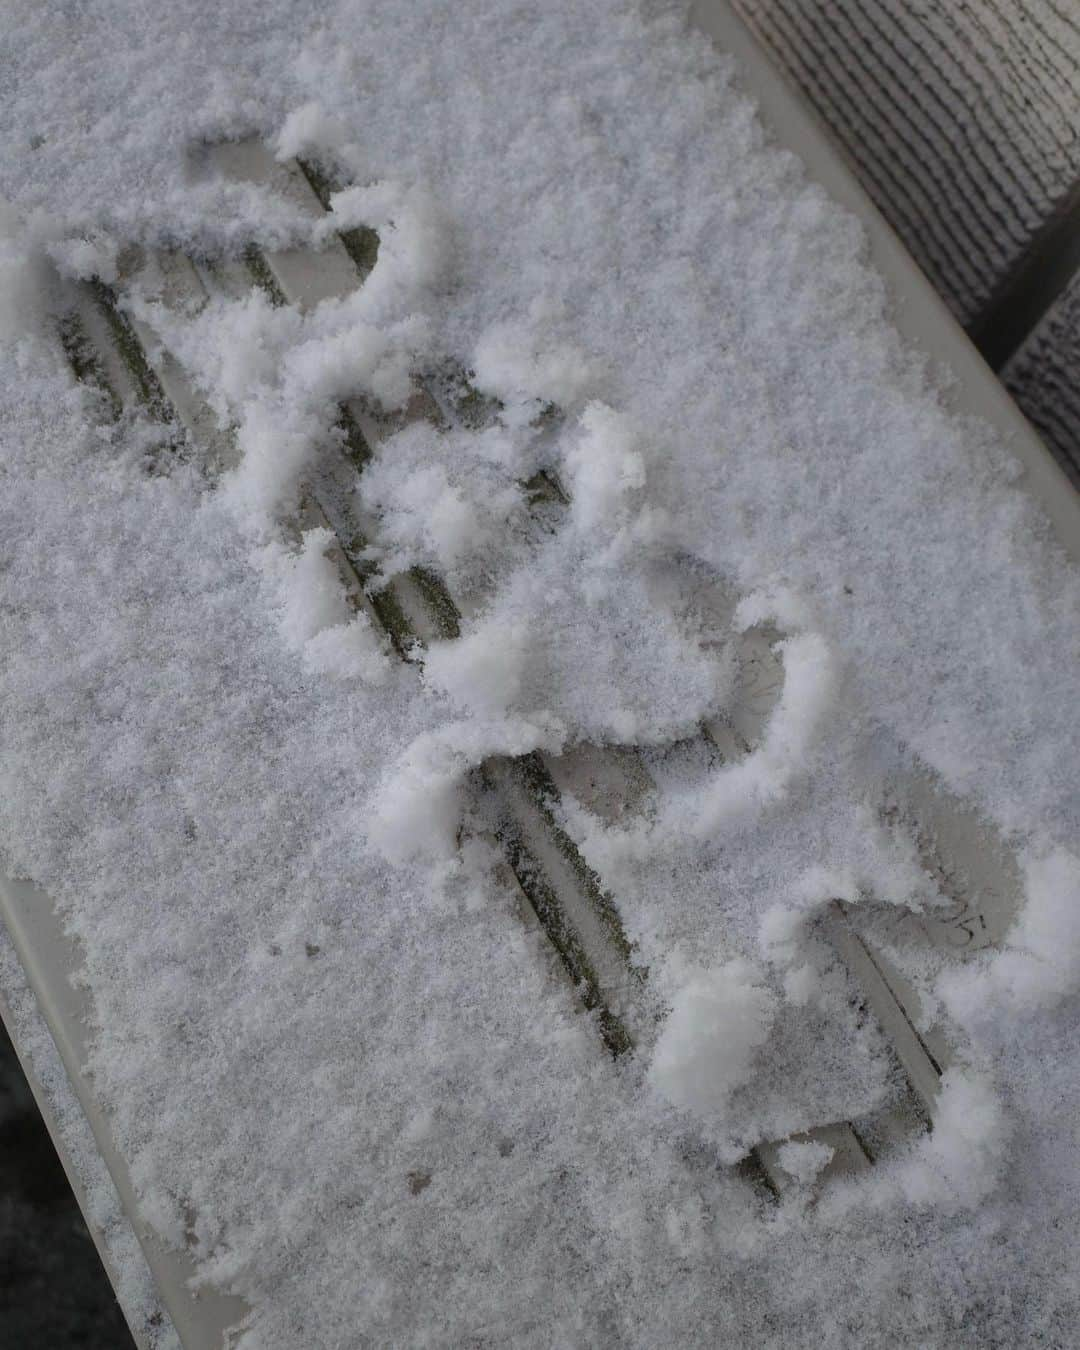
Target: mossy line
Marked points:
147	384
384	602
563	937
263	277
542	791
356	447
444	612
361	242
85	362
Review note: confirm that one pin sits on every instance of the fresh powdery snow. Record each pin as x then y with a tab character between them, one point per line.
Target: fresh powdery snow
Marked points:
344	1065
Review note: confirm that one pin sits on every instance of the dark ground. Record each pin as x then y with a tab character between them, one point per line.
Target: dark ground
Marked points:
54	1293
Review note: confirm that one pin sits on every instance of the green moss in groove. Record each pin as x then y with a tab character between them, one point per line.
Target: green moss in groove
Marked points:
440	604
361	242
384	603
542	791
544	489
357	450
147	384
263	277
85	362
564	938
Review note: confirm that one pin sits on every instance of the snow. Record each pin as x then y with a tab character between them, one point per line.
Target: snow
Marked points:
348	651
719	1018
421	803
414	254
1048	929
335	1050
804	1160
513	361
1040	959
966	1149
478	675
316	618
444	513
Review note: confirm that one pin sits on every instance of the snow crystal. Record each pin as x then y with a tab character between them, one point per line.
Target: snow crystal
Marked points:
85	258
516	363
604	468
804	1160
348	651
420	804
313	595
718	1019
309	130
480	676
414	251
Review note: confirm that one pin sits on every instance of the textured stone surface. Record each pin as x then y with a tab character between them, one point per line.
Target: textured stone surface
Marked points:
961	121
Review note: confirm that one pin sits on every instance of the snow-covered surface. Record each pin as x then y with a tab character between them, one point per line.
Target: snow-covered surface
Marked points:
337	1059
